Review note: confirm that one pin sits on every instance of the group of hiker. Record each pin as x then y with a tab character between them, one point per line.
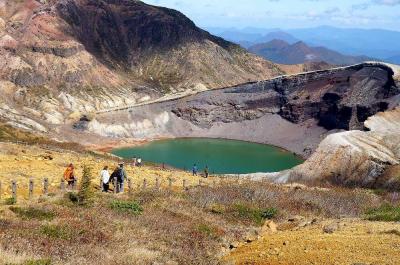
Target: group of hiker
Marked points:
117	177
195	171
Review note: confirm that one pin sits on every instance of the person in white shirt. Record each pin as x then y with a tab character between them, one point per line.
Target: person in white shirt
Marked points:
105	179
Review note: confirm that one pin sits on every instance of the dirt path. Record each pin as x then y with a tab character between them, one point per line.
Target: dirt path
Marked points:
354	242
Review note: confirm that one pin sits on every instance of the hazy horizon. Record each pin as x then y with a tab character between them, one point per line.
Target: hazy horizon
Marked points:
289	14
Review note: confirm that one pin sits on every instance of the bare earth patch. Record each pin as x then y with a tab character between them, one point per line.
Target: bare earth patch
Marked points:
354	242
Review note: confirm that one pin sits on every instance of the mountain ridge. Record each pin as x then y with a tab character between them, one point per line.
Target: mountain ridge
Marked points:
374	43
280	51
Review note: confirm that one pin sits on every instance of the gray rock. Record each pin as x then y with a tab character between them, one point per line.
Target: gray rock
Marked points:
331	228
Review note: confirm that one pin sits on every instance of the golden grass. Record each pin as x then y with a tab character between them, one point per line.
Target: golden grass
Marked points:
23	162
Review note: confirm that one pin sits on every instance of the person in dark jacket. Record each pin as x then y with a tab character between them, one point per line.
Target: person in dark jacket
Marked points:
194	170
114	177
206	172
121	177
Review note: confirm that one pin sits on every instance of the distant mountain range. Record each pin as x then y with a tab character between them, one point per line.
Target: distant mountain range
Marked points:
280	51
374	43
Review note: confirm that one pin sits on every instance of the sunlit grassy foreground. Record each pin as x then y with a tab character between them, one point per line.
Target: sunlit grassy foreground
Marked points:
22	163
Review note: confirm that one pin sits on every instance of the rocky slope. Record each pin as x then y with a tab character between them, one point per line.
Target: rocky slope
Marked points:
63	57
358	158
280	51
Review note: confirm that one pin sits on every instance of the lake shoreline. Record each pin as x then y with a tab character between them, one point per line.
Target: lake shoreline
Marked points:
223	156
131	143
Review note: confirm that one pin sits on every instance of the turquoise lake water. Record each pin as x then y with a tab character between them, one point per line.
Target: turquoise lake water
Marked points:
221	156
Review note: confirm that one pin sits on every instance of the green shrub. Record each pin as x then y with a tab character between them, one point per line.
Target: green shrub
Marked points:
38	262
125	206
206	230
56	231
379	192
269	213
255	215
33	213
86	192
72	196
217	208
10	201
393	232
386	213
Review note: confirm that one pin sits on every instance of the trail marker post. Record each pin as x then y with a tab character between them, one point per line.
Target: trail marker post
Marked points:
46	186
14	189
115	186
157	184
144	184
129	186
62	185
170	183
184	184
30	188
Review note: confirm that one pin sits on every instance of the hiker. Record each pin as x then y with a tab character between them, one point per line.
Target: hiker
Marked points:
139	162
105	178
69	176
114	177
194	170
134	163
206	172
121	178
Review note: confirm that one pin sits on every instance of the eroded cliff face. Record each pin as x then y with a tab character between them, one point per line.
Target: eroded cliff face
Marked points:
338	99
357	158
295	112
60	58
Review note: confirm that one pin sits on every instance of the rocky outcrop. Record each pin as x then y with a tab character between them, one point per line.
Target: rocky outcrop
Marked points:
357	158
341	98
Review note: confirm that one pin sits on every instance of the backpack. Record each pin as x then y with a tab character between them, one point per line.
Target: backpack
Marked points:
115	175
120	175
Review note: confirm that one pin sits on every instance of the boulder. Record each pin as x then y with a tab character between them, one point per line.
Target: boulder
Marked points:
269	227
331	228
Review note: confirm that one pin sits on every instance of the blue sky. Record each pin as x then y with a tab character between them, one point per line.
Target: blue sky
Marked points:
289	13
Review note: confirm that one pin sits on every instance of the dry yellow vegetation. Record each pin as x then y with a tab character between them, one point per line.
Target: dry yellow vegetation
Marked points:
24	162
